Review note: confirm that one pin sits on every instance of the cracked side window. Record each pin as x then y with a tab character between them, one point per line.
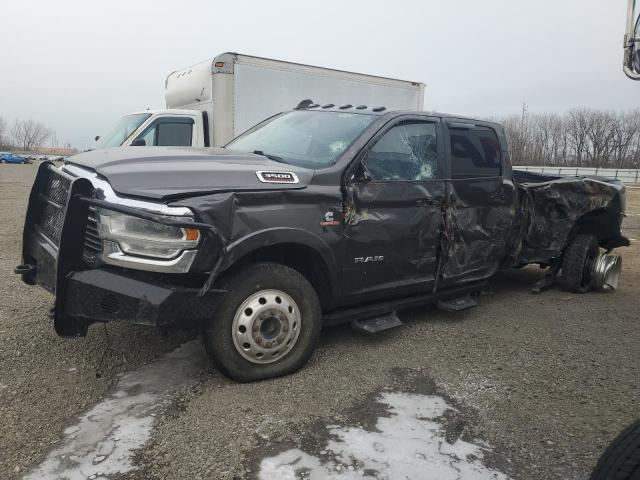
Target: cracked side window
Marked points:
407	152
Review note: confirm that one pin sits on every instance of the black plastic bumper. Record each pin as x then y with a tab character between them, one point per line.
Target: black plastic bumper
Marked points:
102	295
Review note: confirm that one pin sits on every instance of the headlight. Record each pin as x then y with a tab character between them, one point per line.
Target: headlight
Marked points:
145	238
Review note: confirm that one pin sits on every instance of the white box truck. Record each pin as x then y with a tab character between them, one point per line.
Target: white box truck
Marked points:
212	102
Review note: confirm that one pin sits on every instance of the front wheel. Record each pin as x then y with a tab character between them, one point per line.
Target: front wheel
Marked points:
266	325
621	460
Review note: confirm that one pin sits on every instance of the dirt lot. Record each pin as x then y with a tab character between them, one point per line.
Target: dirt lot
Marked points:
546	380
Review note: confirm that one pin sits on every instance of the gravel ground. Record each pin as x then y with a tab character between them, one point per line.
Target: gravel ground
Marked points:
547	380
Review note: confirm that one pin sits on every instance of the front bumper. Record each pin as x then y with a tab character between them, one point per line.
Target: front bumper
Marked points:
102	295
53	246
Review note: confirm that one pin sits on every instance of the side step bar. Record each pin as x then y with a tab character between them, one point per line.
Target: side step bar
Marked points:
457	304
382	308
377	324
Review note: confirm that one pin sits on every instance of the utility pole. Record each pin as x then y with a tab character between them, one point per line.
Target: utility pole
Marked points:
523	133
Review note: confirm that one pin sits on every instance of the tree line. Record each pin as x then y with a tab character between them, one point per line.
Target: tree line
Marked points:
580	137
26	135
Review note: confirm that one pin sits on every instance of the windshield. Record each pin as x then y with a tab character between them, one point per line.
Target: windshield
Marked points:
312	139
125	127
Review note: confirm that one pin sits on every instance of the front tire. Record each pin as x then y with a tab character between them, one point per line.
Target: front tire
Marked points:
577	261
267	323
621	460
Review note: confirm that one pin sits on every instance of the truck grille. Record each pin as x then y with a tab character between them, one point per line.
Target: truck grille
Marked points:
92	240
54	197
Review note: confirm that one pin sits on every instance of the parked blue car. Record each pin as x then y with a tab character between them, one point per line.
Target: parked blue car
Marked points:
6	157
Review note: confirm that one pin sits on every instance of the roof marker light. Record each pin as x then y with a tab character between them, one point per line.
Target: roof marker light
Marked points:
304	104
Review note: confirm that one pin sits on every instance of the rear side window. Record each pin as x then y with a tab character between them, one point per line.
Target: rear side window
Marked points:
475	153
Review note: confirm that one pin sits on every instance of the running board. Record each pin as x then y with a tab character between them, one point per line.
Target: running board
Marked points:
377	324
379	309
457	304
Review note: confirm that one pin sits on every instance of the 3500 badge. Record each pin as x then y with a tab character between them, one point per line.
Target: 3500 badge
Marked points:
277	177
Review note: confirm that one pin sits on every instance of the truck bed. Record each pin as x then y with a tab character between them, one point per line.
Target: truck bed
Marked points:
522	177
553	206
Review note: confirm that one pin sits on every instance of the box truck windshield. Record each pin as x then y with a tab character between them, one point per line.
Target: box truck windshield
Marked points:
125	127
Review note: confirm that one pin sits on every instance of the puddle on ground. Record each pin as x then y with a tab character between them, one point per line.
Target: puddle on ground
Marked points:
102	441
412	440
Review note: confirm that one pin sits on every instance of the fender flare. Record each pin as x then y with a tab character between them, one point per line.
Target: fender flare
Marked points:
274	236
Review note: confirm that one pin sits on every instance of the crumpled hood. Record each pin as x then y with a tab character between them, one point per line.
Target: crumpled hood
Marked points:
174	172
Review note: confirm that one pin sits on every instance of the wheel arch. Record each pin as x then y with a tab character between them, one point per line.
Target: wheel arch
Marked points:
298	249
604	224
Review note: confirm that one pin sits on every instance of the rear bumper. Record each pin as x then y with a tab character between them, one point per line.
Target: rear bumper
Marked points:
101	295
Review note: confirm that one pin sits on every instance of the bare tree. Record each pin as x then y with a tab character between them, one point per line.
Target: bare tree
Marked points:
517	138
600	133
29	134
576	125
580	137
549	132
626	129
3	133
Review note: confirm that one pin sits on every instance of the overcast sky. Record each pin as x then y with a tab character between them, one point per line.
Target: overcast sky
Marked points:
76	66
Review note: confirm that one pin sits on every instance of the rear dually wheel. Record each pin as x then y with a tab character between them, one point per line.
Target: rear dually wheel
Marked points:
577	263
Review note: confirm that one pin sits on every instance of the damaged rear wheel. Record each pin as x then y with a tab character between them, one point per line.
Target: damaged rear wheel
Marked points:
266	325
577	262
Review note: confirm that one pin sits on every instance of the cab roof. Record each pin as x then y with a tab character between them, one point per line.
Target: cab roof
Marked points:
382	111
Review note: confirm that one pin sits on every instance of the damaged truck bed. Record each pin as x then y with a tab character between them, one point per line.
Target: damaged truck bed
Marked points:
557	207
317	216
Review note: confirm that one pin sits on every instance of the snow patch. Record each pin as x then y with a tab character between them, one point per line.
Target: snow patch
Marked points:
410	444
102	441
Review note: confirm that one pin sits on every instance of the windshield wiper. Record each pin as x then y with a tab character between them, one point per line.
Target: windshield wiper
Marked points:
269	156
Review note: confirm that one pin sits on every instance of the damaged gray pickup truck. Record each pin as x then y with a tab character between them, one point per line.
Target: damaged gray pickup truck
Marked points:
314	217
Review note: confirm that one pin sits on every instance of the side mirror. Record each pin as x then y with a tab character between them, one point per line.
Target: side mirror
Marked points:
96	138
631	63
138	142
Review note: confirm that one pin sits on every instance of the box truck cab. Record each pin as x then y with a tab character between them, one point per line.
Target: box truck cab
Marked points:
172	127
210	103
